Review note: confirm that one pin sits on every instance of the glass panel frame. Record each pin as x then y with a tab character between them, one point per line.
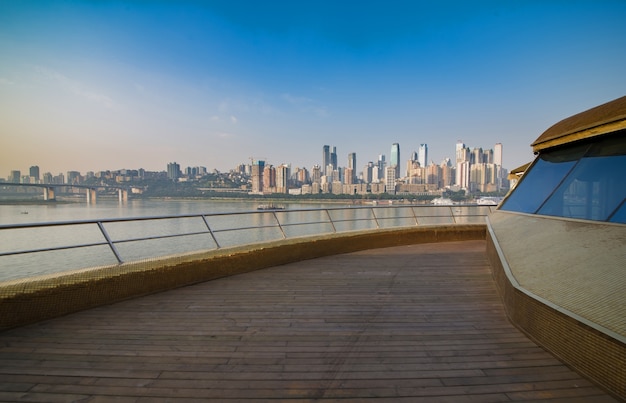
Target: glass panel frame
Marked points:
541	179
592	191
583	180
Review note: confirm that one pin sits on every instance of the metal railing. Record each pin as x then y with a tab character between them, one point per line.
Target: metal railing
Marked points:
218	230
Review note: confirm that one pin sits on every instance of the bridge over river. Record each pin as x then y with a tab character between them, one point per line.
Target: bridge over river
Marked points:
91	191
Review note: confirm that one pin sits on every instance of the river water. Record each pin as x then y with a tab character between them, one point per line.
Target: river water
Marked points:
34	264
138	240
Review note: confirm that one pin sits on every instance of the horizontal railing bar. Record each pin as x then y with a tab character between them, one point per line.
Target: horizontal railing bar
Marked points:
330	216
244	228
151	238
250	212
54	248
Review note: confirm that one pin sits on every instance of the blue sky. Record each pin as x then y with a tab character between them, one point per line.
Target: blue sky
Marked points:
97	85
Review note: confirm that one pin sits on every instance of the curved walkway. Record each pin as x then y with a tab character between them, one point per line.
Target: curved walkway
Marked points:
411	323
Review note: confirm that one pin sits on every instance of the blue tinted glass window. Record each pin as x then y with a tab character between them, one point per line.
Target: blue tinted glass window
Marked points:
541	179
592	191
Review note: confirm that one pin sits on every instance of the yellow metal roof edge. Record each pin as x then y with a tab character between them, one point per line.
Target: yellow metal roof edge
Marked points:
599	130
599	120
521	169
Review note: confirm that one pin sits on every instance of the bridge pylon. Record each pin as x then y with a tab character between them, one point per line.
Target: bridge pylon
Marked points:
48	194
92	194
122	195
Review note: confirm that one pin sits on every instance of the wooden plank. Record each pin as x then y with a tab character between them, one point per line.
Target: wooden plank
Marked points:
412	323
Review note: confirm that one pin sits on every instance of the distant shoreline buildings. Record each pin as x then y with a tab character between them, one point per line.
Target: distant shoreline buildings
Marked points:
473	170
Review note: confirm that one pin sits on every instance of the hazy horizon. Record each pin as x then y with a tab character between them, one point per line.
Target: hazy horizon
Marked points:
95	86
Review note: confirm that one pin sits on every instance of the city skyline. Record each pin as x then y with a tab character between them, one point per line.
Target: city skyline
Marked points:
87	86
332	157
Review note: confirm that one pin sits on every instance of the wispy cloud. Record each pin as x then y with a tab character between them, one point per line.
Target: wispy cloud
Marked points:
6	81
75	87
306	105
294	100
216	118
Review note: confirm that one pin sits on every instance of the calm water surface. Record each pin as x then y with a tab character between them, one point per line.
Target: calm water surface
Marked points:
28	265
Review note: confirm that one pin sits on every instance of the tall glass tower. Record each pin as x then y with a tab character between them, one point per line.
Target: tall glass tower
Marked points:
422	155
325	158
395	158
352	165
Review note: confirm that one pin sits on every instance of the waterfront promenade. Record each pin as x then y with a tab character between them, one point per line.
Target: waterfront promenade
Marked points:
415	323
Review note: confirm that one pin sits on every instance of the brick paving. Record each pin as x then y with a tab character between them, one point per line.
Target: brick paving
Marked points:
419	323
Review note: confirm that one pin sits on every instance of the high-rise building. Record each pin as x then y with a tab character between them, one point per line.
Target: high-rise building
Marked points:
476	157
368	173
447	174
14	176
497	154
282	178
415	172
488	156
47	178
462	152
73	177
333	158
380	174
422	155
349	177
269	178
257	176
173	171
497	161
433	175
316	174
390	179
302	176
352	166
325	158
395	158
34	173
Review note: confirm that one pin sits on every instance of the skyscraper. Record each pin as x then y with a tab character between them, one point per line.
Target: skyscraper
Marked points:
352	166
325	158
173	171
269	178
422	155
395	158
497	154
316	174
462	152
333	158
14	176
282	178
497	160
34	173
257	176
390	179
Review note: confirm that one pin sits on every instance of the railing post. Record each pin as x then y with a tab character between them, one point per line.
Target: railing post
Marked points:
279	226
330	219
375	218
110	242
414	215
210	231
452	214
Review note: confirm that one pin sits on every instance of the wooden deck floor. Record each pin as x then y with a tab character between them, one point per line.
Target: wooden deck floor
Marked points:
413	323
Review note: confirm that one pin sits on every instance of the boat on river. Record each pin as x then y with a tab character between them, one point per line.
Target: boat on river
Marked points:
270	206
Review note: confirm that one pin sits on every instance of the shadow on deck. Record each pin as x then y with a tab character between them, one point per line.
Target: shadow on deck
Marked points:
414	323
